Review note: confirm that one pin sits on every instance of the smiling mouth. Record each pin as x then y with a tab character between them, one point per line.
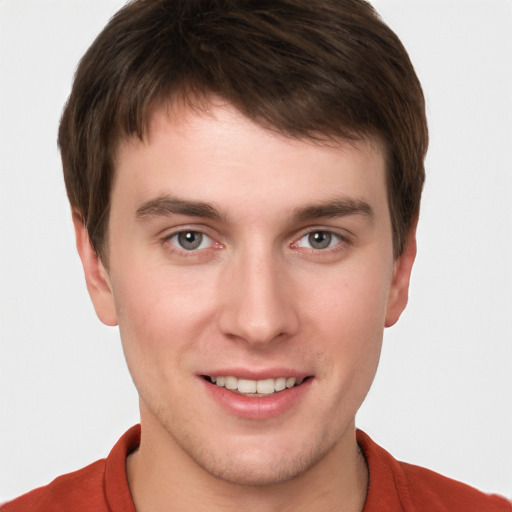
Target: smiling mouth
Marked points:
255	388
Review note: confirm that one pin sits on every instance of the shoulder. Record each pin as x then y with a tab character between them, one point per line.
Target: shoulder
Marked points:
79	491
446	494
398	486
99	487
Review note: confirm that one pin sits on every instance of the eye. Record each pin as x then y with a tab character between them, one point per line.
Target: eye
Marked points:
190	240
319	240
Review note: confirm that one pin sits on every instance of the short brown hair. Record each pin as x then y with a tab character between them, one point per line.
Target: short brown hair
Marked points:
322	70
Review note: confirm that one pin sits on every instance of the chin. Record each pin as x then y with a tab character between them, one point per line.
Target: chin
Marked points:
259	467
260	474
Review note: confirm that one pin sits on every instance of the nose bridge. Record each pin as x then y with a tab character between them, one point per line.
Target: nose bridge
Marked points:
257	307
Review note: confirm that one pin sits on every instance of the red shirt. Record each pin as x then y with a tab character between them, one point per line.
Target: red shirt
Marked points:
394	487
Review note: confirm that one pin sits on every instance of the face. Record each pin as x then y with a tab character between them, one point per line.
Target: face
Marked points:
251	276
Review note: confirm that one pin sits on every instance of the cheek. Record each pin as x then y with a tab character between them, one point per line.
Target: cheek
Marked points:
351	301
347	318
158	323
160	315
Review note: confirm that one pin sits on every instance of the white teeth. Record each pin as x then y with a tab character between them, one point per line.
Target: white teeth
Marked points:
290	382
261	387
231	383
280	384
265	387
247	386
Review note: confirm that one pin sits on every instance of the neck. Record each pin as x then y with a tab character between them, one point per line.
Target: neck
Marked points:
161	474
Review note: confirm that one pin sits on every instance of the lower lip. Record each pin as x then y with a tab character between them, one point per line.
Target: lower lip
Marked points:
258	408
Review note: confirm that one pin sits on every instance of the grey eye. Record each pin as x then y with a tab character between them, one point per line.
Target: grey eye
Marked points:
190	240
320	239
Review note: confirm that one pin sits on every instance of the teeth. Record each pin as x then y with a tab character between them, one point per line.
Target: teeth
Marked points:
280	384
248	386
290	382
261	387
265	387
231	383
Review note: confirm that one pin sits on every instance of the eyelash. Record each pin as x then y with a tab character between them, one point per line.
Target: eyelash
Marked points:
340	242
174	247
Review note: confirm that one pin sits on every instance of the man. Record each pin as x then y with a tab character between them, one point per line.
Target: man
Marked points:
245	184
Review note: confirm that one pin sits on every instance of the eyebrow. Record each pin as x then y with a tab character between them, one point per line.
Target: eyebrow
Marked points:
169	205
339	207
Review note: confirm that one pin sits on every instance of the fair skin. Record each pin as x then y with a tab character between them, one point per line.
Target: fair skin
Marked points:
237	252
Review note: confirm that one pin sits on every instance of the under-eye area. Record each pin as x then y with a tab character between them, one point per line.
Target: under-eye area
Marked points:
256	388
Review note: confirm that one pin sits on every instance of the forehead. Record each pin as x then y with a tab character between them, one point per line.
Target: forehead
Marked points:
217	155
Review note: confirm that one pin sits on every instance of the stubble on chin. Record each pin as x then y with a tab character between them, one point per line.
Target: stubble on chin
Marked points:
257	467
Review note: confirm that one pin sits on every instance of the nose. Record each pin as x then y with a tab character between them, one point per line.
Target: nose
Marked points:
258	305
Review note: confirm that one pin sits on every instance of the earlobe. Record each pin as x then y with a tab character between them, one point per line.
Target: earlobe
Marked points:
399	291
96	276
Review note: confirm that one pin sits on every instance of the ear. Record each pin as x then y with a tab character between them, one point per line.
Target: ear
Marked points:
96	277
399	291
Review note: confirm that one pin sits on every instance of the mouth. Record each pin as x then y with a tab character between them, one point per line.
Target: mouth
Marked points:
255	388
